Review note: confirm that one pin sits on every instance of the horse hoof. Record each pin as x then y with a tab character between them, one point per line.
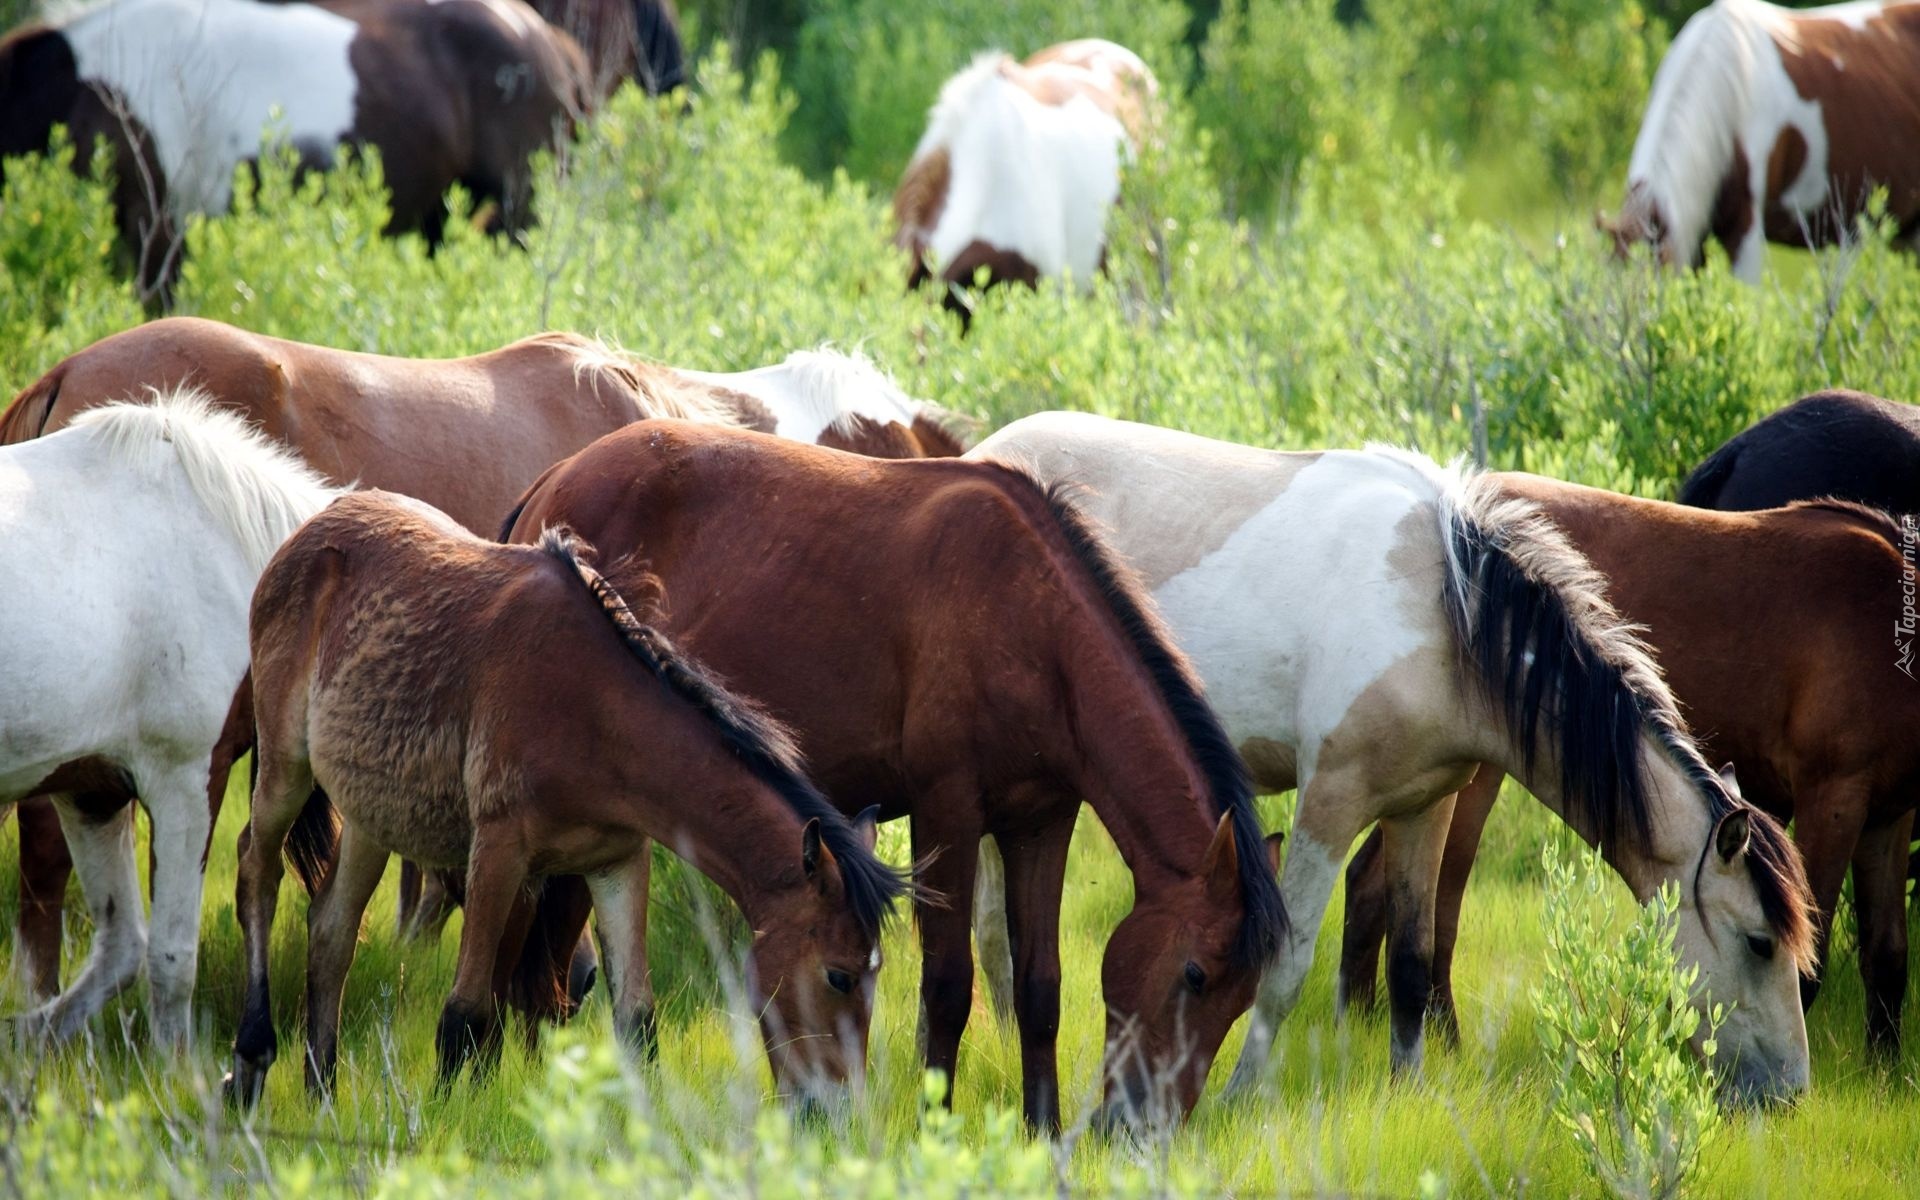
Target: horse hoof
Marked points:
241	1087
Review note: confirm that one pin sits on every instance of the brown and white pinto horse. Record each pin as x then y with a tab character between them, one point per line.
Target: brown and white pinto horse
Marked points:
951	642
624	39
466	435
1771	124
504	710
1020	165
1772	628
453	91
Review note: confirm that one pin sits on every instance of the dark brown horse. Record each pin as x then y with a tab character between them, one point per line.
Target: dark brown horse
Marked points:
1840	445
460	91
1773	629
466	435
624	39
503	710
955	644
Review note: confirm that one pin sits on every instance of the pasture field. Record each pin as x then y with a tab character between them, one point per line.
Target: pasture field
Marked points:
1345	234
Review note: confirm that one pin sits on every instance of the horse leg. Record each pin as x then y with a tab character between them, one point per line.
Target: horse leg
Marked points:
1036	870
102	849
620	908
1414	844
436	903
1880	902
990	937
946	973
333	933
470	1022
407	901
45	867
1472	806
1365	927
284	784
1324	826
1826	826
181	826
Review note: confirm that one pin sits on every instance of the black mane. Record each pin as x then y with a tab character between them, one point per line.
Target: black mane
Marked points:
761	743
1265	924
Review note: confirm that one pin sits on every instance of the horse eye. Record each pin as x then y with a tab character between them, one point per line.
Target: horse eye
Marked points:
1761	946
839	981
1196	978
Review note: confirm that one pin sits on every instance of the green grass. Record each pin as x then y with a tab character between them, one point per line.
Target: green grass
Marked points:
1332	1121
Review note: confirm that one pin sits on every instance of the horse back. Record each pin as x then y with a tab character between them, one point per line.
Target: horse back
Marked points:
1843	444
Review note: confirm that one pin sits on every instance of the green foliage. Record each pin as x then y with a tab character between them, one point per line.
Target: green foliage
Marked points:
1616	1015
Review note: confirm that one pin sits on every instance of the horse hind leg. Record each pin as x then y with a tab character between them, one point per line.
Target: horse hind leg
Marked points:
103	854
281	792
990	937
1365	927
1880	902
1036	868
470	1020
333	932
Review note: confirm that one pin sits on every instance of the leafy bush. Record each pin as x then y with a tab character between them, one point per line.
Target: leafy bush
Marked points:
1615	1015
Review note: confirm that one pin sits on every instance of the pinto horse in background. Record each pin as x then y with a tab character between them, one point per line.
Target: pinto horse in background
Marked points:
1372	626
1020	165
1838	445
455	700
623	39
130	544
1774	124
1802	693
951	642
466	435
457	91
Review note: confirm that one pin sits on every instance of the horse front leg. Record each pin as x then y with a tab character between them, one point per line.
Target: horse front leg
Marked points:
103	855
45	867
470	1021
1880	902
182	826
620	908
1036	870
1413	848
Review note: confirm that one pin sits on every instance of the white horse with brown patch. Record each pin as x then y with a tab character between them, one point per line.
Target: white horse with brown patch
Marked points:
130	543
1368	622
1775	124
1020	165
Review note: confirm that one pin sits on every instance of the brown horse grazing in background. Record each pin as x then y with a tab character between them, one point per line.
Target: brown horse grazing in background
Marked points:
1772	629
503	709
466	435
953	643
624	39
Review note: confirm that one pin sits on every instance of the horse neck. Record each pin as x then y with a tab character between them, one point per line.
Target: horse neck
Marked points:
1678	820
1129	759
752	870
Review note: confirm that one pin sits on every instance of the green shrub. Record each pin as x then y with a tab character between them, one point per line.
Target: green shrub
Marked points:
1616	1017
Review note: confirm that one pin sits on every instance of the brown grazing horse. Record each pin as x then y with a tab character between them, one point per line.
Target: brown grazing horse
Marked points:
1768	124
1772	628
466	435
1837	445
455	91
504	710
955	644
969	200
623	39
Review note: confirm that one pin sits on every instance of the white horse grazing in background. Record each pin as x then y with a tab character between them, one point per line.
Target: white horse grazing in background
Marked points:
1775	124
130	543
1368	622
1020	165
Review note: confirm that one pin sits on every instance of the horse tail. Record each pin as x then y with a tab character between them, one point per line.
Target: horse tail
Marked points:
313	841
541	984
1535	628
1702	488
26	418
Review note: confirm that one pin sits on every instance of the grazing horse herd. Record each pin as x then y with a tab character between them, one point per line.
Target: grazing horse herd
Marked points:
517	617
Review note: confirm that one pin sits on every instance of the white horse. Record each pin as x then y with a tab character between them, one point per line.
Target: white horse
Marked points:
130	543
1367	623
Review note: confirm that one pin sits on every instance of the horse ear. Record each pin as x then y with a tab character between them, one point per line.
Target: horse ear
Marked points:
811	851
1730	838
1274	843
1221	867
1728	781
866	826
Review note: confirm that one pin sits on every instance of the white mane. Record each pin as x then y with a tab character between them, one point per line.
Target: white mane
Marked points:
812	391
255	487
